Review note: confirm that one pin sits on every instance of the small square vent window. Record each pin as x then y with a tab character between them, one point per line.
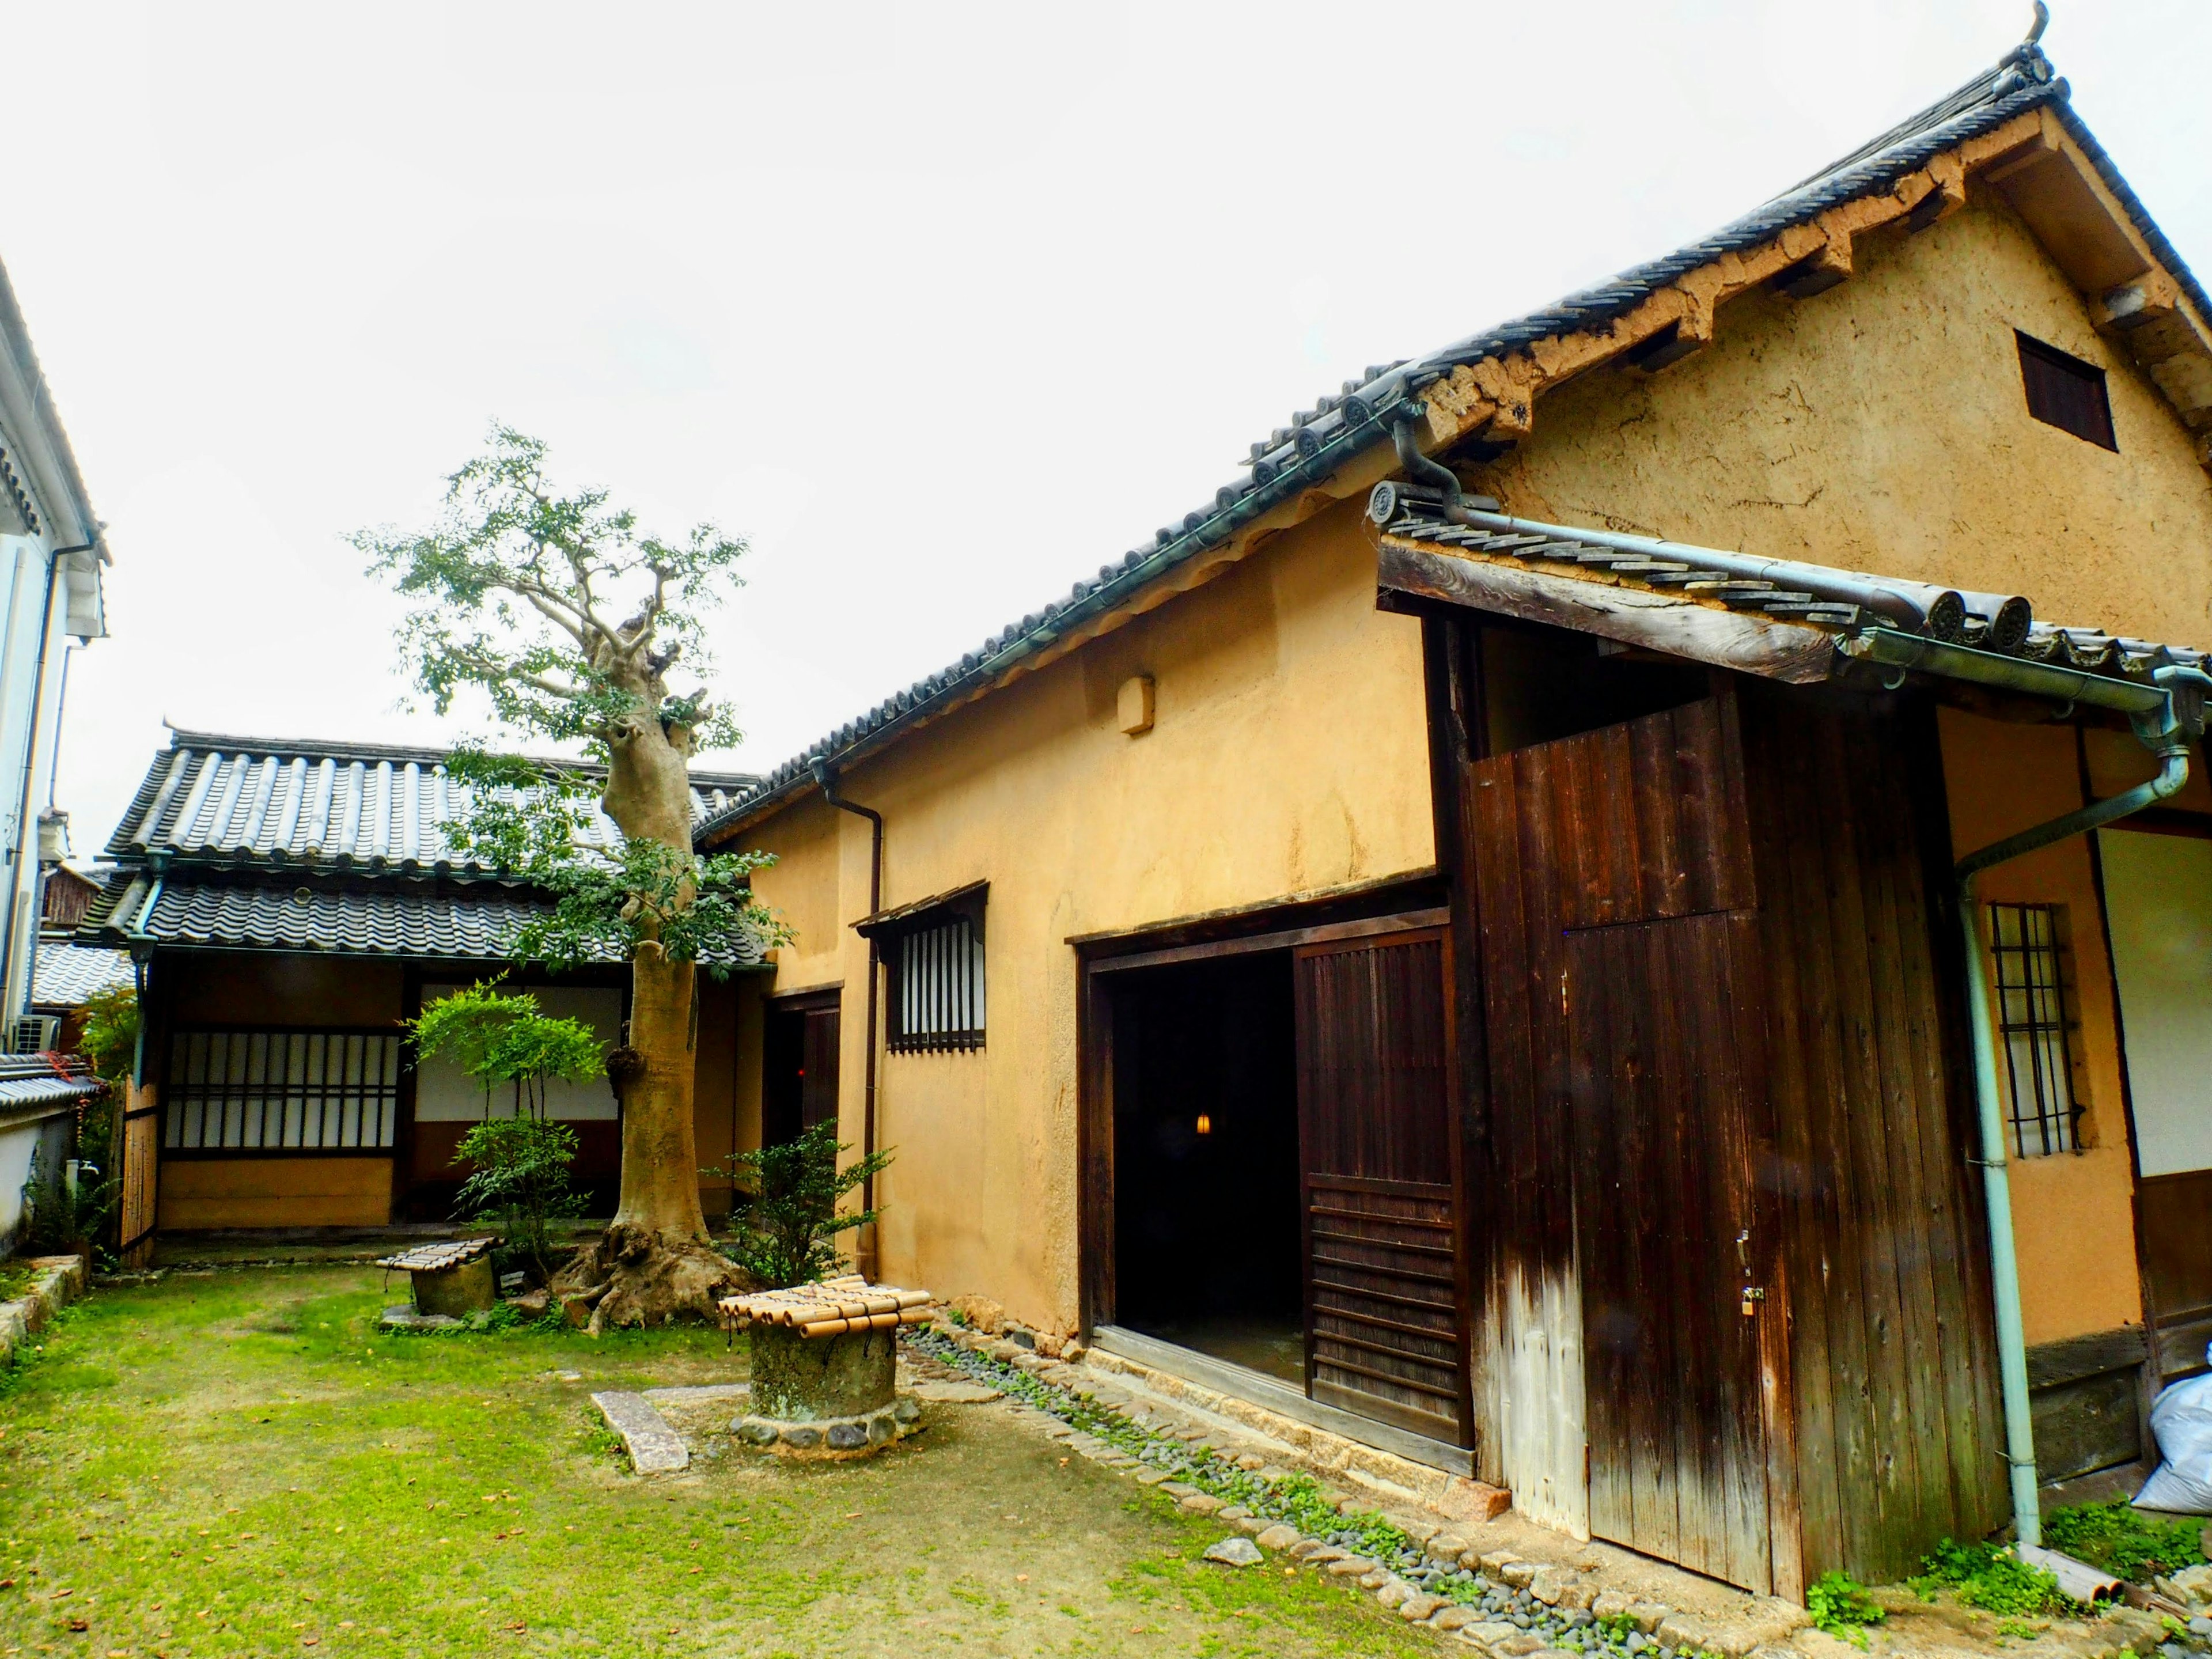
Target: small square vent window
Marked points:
2066	392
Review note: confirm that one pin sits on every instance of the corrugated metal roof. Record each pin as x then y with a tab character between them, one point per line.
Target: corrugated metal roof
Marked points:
247	801
36	1080
68	975
1321	440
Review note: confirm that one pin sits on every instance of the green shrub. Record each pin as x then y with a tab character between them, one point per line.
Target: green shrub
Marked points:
519	1182
2124	1540
1840	1605
1994	1579
785	1222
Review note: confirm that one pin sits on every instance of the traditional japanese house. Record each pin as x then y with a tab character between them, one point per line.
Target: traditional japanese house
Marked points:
287	905
1462	940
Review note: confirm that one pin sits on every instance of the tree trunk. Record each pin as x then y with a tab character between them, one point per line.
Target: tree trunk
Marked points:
660	1149
654	1262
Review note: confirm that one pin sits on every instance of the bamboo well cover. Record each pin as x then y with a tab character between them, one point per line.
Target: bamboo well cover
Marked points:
830	1307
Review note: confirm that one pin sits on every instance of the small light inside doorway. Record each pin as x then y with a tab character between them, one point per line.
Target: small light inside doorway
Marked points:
1205	1124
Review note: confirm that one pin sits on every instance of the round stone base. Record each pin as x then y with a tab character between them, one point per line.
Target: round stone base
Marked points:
838	1439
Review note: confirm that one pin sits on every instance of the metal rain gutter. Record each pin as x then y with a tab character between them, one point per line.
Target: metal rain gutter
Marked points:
2168	717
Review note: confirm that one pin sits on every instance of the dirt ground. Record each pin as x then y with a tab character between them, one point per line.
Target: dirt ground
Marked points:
236	1462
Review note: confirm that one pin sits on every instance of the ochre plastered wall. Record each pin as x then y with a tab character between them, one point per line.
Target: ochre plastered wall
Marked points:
2073	1213
1289	755
1881	425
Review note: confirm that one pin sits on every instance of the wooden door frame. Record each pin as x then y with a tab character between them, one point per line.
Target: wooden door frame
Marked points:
1358	911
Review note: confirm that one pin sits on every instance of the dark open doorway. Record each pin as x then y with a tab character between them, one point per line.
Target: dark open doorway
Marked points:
1208	1253
798	1066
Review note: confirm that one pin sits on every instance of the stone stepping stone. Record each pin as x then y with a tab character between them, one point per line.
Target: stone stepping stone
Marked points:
954	1394
653	1447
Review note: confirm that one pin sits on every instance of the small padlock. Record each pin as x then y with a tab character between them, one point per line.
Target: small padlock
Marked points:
1752	1295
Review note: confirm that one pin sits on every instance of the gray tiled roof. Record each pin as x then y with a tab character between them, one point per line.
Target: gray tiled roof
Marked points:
1321	440
1787	589
67	976
476	920
252	843
259	801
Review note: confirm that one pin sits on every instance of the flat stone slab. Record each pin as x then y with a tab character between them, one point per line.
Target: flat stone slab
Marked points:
653	1447
404	1318
954	1394
706	1393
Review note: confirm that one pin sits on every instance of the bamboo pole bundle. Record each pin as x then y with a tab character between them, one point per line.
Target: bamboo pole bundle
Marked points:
866	1322
831	1306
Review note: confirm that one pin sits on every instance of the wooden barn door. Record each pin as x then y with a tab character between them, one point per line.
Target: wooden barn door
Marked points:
1656	1043
1624	1041
1386	1327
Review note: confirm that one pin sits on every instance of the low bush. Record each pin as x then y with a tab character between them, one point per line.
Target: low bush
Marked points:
1840	1605
2124	1540
1992	1578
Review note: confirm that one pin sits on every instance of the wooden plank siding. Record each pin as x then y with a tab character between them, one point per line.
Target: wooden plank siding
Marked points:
1894	1347
1707	955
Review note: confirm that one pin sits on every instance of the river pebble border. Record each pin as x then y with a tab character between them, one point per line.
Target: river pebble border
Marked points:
1506	1607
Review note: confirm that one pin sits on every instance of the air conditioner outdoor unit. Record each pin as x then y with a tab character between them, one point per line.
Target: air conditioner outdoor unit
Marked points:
35	1033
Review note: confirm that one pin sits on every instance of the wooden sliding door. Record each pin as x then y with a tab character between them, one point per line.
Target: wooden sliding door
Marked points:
1386	1285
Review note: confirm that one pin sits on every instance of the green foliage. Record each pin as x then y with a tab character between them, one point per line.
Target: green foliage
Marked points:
533	820
1992	1578
516	587
110	1041
2123	1540
1840	1605
786	1219
520	1183
502	1039
56	1220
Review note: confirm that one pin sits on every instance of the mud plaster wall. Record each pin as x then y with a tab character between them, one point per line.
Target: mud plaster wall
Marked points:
2073	1215
1289	754
1881	425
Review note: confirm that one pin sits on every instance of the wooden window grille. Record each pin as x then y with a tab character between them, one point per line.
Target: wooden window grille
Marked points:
2032	1028
241	1090
937	984
2066	392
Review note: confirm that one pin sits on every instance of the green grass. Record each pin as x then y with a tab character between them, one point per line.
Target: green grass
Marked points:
2123	1540
238	1463
1992	1578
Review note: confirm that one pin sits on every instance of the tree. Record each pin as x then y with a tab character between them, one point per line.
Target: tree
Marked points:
787	1218
568	620
498	1039
519	1163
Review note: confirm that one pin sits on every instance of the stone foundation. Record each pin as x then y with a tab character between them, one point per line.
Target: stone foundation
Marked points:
833	1438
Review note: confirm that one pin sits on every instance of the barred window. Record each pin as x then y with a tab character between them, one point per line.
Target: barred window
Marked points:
245	1090
2026	942
937	985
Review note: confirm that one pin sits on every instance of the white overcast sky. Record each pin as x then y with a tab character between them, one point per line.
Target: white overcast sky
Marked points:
943	306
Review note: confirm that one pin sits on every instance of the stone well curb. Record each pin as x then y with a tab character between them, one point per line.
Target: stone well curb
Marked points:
61	1281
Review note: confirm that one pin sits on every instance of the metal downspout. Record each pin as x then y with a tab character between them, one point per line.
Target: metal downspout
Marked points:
2168	731
828	780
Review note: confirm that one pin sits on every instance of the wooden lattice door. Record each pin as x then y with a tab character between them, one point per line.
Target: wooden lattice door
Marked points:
1386	1286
